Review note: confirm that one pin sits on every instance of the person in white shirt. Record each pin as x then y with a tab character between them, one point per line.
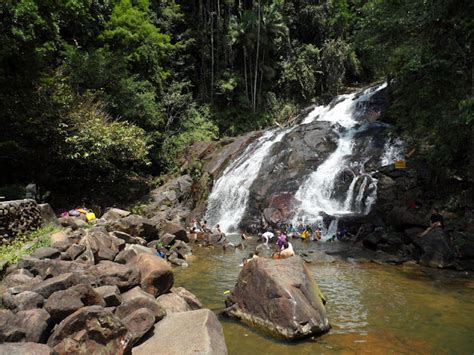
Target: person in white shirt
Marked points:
267	236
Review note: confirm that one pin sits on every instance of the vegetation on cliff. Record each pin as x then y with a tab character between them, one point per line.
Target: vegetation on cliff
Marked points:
99	91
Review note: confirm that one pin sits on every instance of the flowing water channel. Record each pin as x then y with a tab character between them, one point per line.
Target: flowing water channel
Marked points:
373	309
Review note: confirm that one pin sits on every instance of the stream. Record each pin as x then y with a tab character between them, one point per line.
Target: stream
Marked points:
372	308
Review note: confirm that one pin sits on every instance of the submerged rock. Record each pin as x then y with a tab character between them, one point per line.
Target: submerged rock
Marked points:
280	297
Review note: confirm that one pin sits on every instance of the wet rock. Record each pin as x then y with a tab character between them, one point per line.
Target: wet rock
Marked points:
404	217
156	274
110	294
22	301
138	323
91	330
182	249
264	251
109	273
46	253
435	249
174	259
130	305
203	331
25	348
279	296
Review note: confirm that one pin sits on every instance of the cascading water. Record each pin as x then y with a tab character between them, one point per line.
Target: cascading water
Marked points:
317	193
338	186
228	199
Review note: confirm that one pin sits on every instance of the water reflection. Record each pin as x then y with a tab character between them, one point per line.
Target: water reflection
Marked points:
372	308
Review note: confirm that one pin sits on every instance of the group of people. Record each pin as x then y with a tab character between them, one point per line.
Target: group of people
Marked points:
301	231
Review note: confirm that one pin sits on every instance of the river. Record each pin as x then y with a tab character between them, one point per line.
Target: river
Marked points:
372	308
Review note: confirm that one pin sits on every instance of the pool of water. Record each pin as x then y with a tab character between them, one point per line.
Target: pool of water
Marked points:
374	309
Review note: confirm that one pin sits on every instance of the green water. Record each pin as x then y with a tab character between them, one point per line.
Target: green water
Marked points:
373	309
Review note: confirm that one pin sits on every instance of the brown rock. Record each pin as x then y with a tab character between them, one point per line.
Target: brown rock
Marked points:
110	273
190	298
138	323
22	301
36	323
58	283
90	330
173	303
110	294
156	274
130	306
279	296
203	331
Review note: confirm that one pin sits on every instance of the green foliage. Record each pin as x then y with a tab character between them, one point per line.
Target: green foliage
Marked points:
11	252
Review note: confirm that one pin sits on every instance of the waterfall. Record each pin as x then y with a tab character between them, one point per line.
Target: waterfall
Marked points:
229	197
316	194
326	192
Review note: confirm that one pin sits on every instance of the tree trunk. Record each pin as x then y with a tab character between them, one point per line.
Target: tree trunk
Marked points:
256	58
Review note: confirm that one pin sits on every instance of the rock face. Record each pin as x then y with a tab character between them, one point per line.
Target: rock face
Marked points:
203	331
279	297
90	330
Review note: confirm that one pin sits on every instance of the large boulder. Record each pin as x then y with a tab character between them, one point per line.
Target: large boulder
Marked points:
46	253
47	214
63	303
135	299
110	273
57	283
138	323
156	274
203	331
280	296
90	330
31	325
46	268
22	301
110	294
20	277
435	249
176	230
136	226
114	214
179	300
25	348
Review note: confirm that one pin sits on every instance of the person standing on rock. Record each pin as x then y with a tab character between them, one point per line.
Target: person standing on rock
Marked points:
281	240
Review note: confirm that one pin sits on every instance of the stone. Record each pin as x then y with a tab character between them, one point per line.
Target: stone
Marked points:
46	253
113	214
9	332
176	230
203	331
175	260
57	283
136	226
63	303
190	298
25	348
22	301
140	249
110	294
167	239
131	305
156	274
127	238
72	222
20	277
90	330
182	249
279	296
110	273
75	250
102	245
139	323
47	215
136	292
60	240
125	256
36	324
173	303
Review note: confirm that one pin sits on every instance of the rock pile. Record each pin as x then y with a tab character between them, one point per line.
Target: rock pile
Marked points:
102	289
19	216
